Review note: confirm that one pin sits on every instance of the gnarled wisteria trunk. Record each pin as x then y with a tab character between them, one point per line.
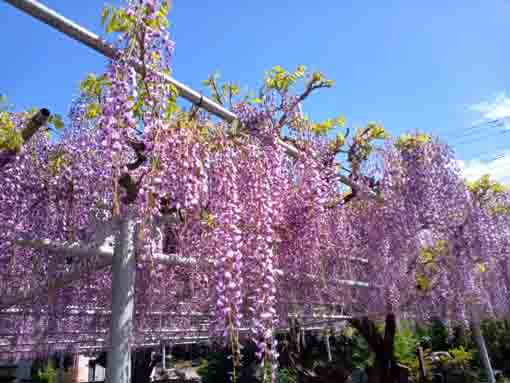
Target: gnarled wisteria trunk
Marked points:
385	368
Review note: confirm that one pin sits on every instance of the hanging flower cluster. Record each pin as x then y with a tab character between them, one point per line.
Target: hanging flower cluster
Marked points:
279	216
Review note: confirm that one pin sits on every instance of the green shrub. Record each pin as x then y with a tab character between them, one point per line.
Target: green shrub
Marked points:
47	374
285	375
434	336
405	346
361	356
460	358
405	343
214	369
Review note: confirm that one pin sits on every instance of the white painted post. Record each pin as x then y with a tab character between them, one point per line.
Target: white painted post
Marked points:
303	338
480	341
328	345
23	370
163	353
60	369
123	290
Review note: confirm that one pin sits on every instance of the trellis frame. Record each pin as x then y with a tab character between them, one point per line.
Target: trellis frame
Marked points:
122	258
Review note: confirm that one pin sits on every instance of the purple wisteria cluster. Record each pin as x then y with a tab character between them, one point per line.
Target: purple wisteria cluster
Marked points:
272	235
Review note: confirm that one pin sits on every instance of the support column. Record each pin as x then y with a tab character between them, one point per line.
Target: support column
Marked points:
60	368
123	289
303	338
163	354
480	341
76	366
328	345
23	370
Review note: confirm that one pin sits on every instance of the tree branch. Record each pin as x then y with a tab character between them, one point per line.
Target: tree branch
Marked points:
311	86
39	120
139	148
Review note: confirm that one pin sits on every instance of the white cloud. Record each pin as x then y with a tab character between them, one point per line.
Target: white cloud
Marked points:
492	114
498	169
497	109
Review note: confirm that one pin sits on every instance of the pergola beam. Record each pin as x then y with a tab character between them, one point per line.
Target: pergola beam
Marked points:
122	256
76	249
64	281
86	37
67	249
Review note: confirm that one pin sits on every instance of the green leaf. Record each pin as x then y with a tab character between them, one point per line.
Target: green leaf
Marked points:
482	267
300	71
422	282
408	141
278	69
57	121
484	185
10	137
325	127
338	142
112	24
280	80
58	161
104	15
93	110
165	7
171	107
88	85
316	76
235	89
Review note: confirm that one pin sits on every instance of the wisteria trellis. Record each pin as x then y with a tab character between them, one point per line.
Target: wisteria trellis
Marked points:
269	235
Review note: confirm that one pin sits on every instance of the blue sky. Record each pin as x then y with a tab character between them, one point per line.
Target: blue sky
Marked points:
434	66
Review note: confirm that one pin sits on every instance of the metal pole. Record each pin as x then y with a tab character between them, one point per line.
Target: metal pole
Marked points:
163	352
74	249
86	37
480	341
60	369
123	290
421	361
66	280
303	338
328	345
23	370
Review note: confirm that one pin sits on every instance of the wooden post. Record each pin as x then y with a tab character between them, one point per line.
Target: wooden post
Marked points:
123	290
